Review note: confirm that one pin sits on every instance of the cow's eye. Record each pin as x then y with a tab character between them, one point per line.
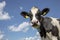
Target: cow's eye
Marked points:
37	16
30	15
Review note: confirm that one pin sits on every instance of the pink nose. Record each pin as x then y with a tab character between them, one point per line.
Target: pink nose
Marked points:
34	22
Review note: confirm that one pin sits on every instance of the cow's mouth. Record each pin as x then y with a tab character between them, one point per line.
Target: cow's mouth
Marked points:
35	25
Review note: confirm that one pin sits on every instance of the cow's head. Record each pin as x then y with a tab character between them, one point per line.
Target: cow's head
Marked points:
35	15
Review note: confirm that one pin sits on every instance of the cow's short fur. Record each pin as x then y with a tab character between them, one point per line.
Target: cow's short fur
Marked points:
52	28
48	27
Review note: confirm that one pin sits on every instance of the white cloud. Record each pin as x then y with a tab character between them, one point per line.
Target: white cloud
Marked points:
21	27
1	35
24	27
36	37
3	15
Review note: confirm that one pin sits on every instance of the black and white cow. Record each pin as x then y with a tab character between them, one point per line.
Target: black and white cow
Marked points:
48	27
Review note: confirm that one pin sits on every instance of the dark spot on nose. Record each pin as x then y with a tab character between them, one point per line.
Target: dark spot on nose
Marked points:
36	21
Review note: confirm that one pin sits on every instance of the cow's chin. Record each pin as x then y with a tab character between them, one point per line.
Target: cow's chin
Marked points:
35	26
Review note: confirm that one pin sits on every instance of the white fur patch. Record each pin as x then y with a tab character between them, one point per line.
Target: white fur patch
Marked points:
54	38
49	35
42	38
55	22
34	10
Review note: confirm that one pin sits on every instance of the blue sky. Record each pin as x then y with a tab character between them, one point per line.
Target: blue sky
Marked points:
13	26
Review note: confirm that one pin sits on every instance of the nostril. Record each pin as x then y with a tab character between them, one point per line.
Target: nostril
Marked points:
33	23
36	21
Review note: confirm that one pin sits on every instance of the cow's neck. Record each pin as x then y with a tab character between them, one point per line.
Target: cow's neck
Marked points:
41	29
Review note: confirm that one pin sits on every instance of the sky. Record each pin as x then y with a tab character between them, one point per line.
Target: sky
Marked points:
14	27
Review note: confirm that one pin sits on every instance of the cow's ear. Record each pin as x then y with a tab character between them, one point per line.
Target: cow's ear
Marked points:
45	11
25	14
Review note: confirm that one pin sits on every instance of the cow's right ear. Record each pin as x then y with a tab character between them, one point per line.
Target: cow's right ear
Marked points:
25	14
45	11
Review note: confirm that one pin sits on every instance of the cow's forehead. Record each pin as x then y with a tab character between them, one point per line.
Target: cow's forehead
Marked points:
34	10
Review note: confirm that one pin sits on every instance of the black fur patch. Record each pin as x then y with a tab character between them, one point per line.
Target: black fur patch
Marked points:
42	31
48	19
46	22
55	31
58	38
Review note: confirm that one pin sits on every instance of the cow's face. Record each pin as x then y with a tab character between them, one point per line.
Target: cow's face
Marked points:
35	15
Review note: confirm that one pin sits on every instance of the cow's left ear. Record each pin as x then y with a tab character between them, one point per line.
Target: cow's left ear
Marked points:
25	14
45	11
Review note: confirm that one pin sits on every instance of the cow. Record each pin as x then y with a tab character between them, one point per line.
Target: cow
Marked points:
48	27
